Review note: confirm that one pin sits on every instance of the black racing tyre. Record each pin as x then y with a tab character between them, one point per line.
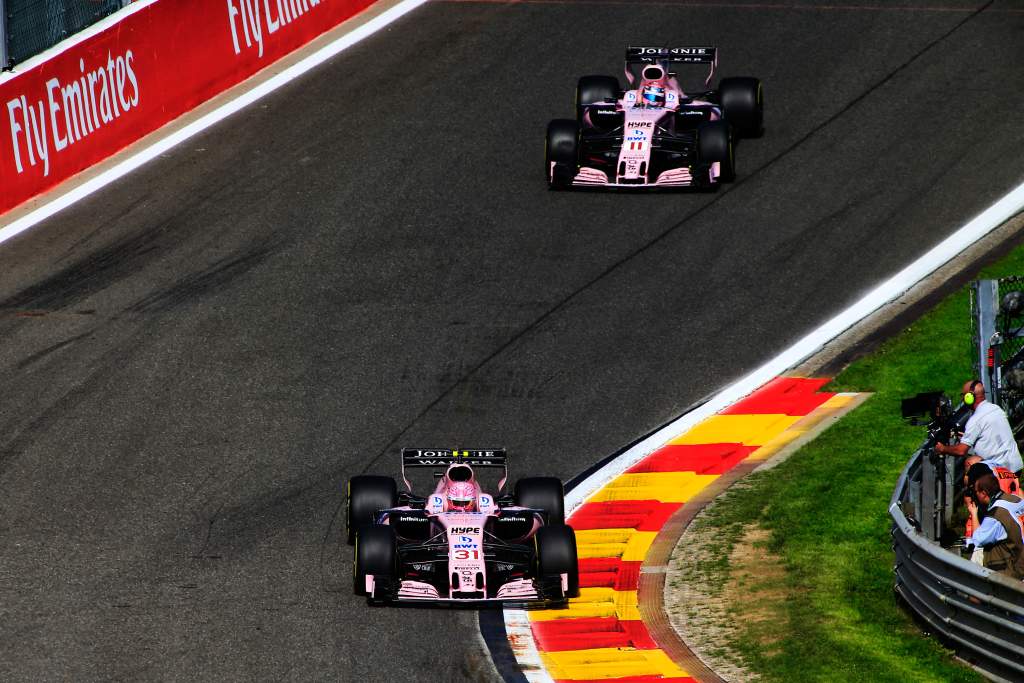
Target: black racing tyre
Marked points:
542	493
367	494
556	554
562	148
376	553
591	89
715	143
742	100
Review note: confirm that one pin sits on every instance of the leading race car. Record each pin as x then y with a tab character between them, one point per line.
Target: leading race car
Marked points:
654	135
460	543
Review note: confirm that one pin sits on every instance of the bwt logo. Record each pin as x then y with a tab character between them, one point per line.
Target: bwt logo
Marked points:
275	14
74	110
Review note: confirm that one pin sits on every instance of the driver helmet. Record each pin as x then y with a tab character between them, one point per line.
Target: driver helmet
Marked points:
462	497
653	95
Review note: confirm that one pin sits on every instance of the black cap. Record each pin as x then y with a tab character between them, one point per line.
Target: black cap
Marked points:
976	472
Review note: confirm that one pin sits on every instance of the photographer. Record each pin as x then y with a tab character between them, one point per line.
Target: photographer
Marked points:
987	432
1001	531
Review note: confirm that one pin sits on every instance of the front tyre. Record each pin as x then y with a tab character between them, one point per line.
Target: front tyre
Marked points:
367	494
376	554
556	554
562	153
742	100
715	143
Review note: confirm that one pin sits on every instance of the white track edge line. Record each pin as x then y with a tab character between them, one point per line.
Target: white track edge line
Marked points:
139	158
525	649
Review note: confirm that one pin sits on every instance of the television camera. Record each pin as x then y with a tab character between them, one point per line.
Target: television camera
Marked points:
945	425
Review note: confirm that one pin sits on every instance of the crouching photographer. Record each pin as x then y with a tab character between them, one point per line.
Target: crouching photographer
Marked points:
1000	531
978	468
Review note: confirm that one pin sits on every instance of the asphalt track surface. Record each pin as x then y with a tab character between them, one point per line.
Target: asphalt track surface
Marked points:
195	359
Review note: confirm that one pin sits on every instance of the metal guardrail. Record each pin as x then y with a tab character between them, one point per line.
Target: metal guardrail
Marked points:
976	611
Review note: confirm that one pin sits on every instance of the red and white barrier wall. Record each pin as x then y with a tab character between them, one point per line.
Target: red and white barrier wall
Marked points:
135	72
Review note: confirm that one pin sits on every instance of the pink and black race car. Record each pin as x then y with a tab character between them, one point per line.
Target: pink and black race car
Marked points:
655	134
460	543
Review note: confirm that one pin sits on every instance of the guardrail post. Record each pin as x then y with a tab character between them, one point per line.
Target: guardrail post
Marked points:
928	514
949	488
986	298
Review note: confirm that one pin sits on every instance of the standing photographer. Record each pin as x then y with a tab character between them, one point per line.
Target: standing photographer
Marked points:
1001	532
987	432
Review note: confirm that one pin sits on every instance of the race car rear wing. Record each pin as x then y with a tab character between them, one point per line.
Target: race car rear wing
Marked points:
442	457
689	55
672	55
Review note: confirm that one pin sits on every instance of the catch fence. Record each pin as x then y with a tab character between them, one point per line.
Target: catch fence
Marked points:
28	27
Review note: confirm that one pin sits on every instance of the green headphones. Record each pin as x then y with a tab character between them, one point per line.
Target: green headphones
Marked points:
969	396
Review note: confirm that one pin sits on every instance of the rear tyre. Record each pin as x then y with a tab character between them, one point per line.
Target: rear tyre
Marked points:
715	143
542	493
594	89
742	101
562	153
556	554
366	495
376	553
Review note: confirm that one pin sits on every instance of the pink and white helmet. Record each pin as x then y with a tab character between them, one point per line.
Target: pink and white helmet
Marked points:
653	86
462	496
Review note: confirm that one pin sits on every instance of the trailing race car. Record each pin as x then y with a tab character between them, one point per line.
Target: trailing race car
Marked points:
654	134
460	543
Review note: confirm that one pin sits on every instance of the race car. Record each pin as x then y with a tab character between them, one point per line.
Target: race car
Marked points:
460	543
654	135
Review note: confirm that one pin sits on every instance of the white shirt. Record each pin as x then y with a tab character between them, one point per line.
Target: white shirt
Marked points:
988	434
989	532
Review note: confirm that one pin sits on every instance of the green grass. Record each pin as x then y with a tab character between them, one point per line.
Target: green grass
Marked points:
826	511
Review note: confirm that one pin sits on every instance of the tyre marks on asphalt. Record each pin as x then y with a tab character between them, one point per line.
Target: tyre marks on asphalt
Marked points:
601	635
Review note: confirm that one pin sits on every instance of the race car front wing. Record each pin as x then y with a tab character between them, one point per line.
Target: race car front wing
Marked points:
387	589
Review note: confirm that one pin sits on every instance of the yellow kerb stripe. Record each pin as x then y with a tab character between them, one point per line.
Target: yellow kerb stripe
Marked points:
610	663
594	602
588	536
840	401
750	430
628	544
775	445
667	487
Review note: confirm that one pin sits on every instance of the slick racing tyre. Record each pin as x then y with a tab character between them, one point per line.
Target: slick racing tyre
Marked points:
562	153
542	493
593	89
376	554
715	143
743	105
556	554
366	495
